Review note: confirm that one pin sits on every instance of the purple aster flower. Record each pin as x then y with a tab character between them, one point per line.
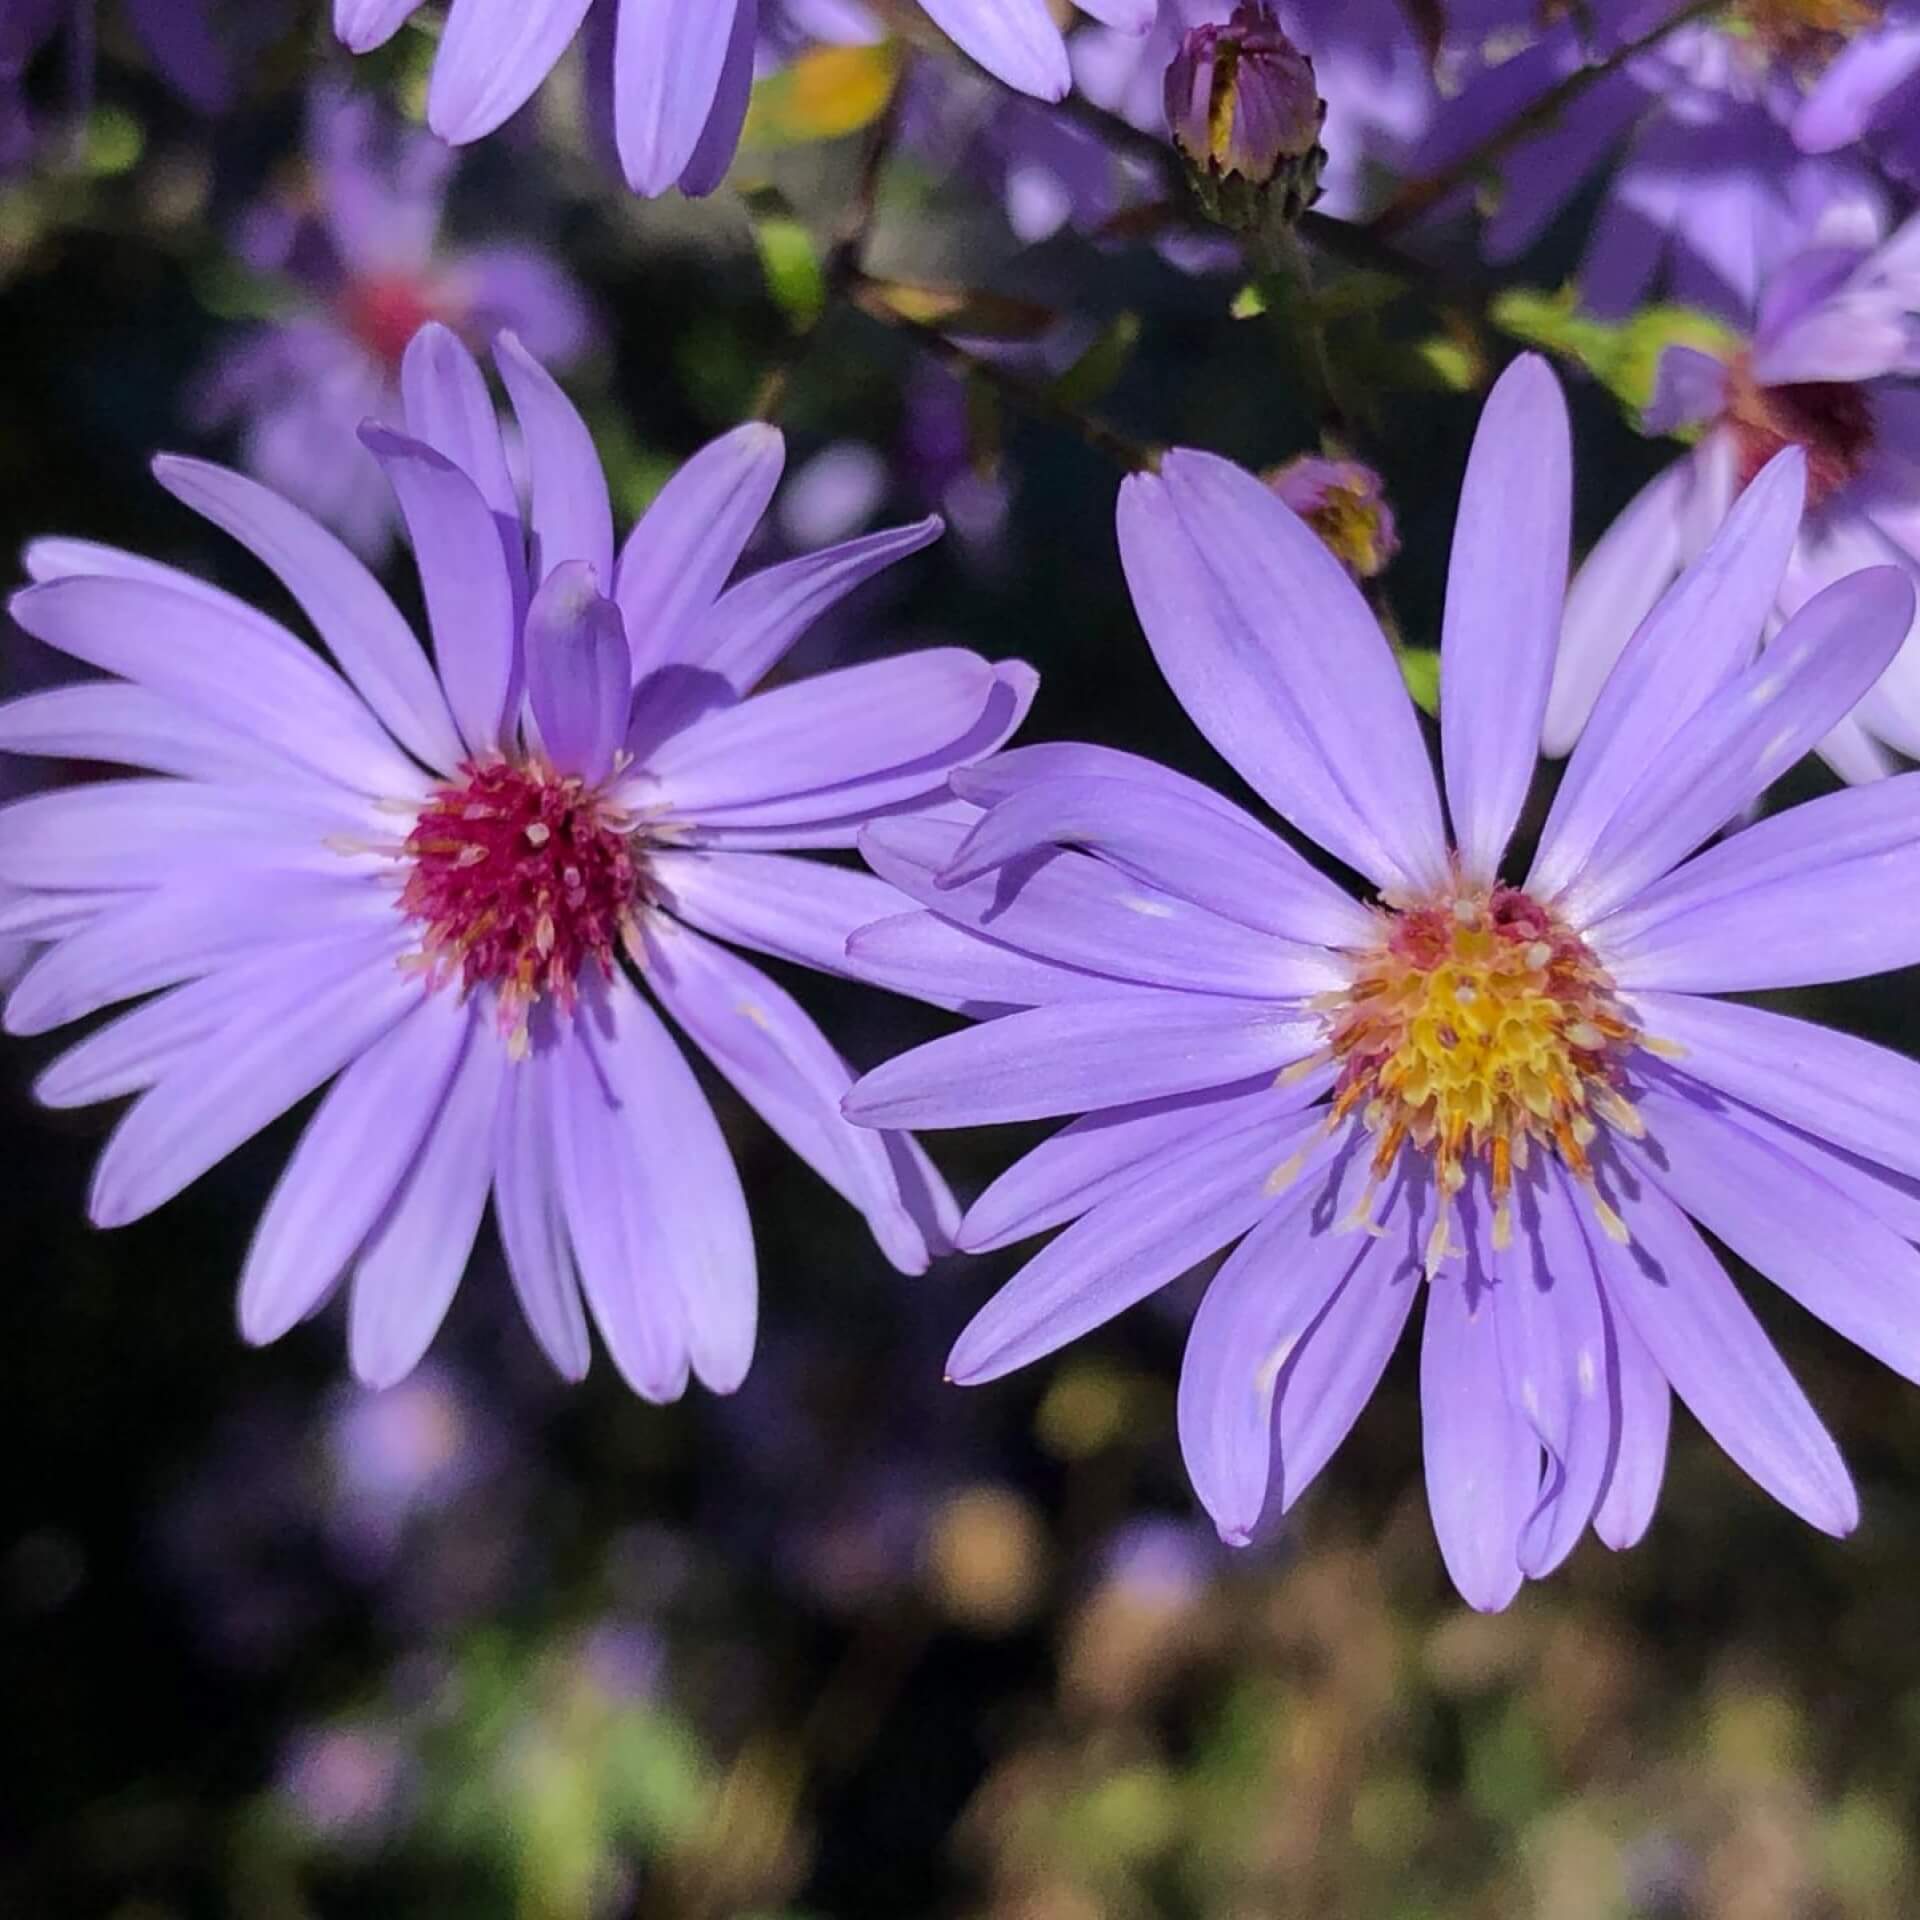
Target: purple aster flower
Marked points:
1345	503
1829	367
679	71
1869	91
1522	1095
363	268
1707	192
416	880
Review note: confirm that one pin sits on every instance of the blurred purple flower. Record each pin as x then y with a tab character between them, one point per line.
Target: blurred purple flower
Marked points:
1869	91
420	877
177	36
1830	367
1517	1094
680	72
347	1783
363	269
1707	192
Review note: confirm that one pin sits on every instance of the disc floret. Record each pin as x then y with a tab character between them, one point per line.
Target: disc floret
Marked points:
521	878
1480	1029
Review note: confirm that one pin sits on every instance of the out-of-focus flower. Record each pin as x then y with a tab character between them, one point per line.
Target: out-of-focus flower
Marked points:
363	269
1706	193
348	1782
1869	89
680	71
1830	367
1518	1093
1243	110
421	878
178	36
1345	503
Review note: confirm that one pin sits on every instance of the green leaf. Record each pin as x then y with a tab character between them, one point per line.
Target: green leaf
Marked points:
796	275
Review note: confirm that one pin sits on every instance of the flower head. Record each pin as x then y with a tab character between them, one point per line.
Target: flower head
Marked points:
1512	1094
1832	367
360	264
1345	503
457	891
1244	111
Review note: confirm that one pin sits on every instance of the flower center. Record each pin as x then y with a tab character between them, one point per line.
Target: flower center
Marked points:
520	879
1831	419
1477	1030
384	315
1802	32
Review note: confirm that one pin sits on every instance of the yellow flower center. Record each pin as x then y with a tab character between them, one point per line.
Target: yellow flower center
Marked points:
1479	1029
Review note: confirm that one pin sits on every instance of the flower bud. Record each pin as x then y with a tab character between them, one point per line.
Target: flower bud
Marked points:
1345	503
1246	117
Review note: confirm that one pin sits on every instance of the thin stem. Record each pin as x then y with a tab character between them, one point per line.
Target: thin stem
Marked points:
1038	401
1418	196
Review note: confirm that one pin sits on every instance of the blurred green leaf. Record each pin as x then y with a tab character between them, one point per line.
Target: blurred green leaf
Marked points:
796	275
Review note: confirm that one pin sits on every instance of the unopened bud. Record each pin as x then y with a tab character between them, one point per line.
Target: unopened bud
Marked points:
1246	116
1346	505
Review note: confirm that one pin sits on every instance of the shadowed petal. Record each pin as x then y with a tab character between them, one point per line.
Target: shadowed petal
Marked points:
946	965
357	623
824	732
747	632
1173	1217
1828	890
783	1067
1745	736
1101	1155
129	726
1703	631
532	1216
1264	1303
1482	1460
410	1267
464	575
1081	912
1644	1415
579	679
1783	1219
668	61
1615	588
353	1155
266	1055
1231	866
1859	1096
571	518
363	25
237	668
1704	1338
679	1184
690	539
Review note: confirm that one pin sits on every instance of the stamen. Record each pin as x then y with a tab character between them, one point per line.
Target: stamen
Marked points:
1480	1028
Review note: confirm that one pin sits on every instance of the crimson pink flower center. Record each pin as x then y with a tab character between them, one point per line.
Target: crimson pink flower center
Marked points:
521	879
384	314
1831	419
1480	1029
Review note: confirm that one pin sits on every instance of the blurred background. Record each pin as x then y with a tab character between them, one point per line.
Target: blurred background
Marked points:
852	1643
